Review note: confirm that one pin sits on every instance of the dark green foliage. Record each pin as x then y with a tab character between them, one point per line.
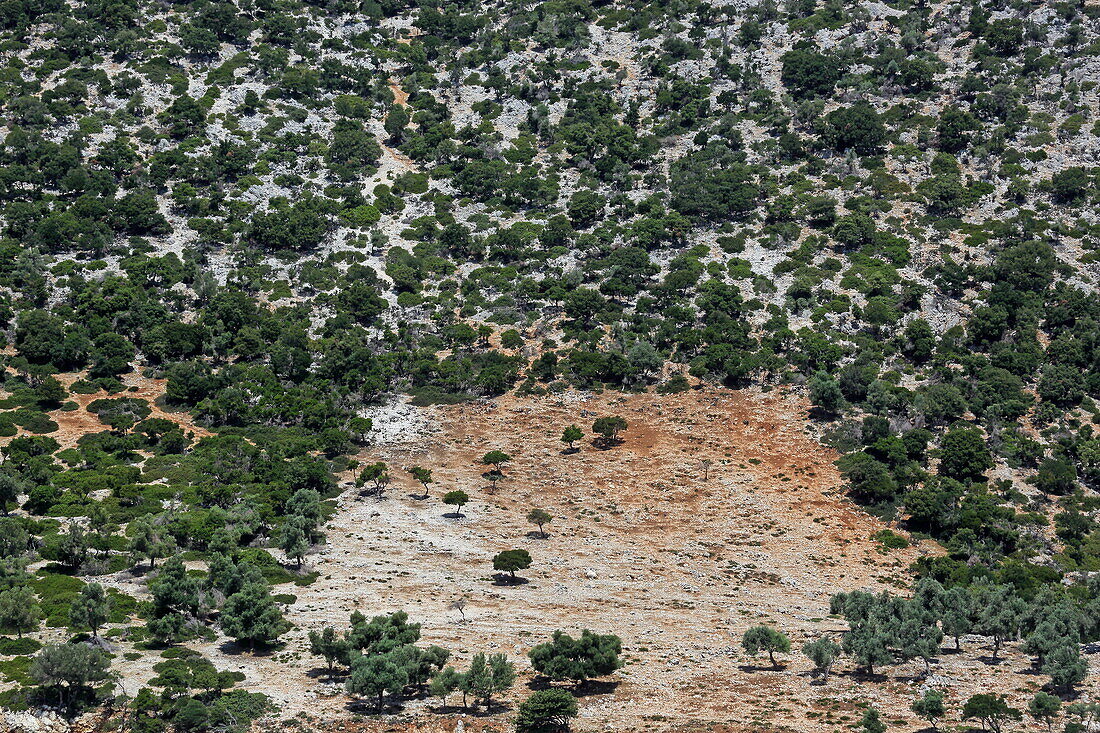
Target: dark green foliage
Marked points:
70	669
495	459
711	184
546	711
375	675
382	634
991	710
540	517
251	616
1057	475
765	639
809	73
609	428
300	226
335	650
565	658
869	479
825	393
456	498
510	561
91	608
857	127
823	652
19	610
871	722
1043	708
930	706
571	435
1070	185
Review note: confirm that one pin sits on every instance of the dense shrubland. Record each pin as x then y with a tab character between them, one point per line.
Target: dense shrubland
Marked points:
292	212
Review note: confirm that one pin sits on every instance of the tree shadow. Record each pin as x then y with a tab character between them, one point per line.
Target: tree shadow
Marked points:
502	579
369	708
536	535
750	668
596	687
1067	696
587	688
453	515
819	414
913	679
321	673
991	661
235	648
863	676
570	451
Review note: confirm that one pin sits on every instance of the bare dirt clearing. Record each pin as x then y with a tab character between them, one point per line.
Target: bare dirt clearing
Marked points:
640	546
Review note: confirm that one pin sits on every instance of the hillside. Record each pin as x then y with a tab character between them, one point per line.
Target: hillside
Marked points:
783	316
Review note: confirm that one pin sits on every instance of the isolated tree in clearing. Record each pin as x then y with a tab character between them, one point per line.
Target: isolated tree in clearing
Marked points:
423	475
540	517
609	428
565	658
510	561
765	639
571	435
379	476
456	498
495	459
546	711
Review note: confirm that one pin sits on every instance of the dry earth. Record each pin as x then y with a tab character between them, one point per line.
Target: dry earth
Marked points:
640	546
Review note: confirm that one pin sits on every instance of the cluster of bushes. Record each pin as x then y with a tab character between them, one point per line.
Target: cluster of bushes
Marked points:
379	657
